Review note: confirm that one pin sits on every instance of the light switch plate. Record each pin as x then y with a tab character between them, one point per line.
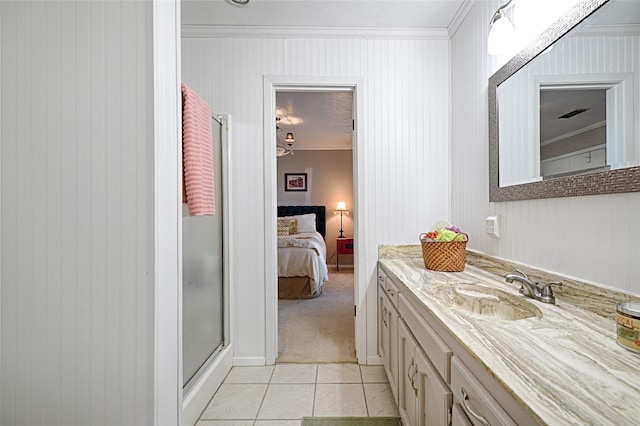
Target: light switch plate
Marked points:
493	226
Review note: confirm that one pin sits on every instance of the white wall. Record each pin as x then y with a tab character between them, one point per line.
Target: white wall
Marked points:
77	213
404	145
595	238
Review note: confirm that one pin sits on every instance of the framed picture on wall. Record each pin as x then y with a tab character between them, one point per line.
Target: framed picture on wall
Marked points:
295	181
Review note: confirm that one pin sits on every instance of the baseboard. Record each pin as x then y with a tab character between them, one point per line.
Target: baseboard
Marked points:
374	360
201	392
249	361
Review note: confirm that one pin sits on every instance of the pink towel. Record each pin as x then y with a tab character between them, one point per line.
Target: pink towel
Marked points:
197	155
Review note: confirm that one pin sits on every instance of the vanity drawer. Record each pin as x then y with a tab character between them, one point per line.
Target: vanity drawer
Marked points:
392	291
474	398
438	352
388	286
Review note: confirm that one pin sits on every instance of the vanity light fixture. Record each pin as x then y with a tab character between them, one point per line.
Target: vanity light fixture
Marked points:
342	209
501	31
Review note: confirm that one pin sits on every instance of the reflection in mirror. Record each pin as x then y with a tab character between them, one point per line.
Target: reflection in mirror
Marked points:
565	123
573	130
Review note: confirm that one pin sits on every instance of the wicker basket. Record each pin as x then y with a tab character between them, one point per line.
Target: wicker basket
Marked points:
445	256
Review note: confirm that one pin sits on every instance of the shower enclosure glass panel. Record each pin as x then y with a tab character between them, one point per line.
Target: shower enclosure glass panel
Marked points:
202	278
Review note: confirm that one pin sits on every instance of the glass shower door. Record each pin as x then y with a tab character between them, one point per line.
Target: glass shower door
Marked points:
203	278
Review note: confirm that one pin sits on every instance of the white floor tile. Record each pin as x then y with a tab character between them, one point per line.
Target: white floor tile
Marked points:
339	400
373	374
235	401
294	393
339	373
294	373
287	401
380	401
249	374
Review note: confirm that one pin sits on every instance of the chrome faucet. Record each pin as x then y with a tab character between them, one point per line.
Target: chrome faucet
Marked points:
532	289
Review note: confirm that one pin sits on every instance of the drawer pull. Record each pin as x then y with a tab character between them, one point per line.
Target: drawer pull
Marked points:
470	412
391	292
384	316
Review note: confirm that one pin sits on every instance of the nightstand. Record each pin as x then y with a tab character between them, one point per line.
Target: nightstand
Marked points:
344	246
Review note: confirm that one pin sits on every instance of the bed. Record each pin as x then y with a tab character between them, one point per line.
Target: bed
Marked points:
302	264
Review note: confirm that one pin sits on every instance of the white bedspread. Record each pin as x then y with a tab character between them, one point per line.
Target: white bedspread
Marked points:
297	261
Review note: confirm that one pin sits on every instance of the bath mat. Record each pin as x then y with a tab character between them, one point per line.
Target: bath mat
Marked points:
351	421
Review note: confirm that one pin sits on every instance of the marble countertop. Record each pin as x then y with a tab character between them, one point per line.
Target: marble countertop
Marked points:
564	367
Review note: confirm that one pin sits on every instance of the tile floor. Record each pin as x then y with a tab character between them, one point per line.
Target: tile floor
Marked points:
282	394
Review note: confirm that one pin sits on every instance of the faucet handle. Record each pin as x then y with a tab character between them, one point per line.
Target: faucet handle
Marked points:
546	292
522	273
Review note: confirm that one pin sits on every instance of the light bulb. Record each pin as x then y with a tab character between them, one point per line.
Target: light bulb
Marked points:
501	34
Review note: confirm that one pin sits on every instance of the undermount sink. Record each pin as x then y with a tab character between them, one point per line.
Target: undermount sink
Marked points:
487	302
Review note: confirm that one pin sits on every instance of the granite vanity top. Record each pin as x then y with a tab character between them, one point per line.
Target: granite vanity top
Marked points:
563	368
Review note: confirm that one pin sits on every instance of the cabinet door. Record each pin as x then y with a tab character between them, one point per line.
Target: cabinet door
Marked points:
388	339
434	396
392	348
382	322
407	376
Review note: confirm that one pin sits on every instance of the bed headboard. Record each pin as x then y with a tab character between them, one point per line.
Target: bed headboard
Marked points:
320	211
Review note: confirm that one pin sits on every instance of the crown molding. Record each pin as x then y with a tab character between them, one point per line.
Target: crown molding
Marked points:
224	31
459	18
608	30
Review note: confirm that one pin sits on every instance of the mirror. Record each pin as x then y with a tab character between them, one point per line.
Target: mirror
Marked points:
561	112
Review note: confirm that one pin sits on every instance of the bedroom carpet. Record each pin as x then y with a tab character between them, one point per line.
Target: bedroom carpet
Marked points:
322	329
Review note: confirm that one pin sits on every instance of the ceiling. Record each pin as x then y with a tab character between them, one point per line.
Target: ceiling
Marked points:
324	13
554	104
318	120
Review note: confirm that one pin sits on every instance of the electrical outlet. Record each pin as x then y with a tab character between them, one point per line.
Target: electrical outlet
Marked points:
493	226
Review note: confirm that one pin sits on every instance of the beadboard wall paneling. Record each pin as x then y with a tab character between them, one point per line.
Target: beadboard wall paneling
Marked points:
564	235
77	185
403	145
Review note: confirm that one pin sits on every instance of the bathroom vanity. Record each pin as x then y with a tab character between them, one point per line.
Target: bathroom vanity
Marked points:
465	348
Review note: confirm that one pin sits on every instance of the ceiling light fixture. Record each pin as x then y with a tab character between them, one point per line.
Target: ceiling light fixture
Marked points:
240	2
282	149
501	31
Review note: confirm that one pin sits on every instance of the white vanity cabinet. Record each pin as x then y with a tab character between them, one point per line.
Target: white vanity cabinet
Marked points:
435	380
388	328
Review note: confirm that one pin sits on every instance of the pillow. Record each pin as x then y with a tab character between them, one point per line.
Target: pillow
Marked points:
283	230
306	222
287	222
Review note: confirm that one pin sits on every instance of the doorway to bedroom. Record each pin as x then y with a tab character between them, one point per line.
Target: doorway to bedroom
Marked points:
314	169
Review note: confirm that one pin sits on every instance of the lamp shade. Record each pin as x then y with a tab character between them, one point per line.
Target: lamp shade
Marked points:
501	34
341	206
289	139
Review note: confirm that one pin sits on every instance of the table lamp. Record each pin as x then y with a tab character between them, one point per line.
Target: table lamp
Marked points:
342	209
